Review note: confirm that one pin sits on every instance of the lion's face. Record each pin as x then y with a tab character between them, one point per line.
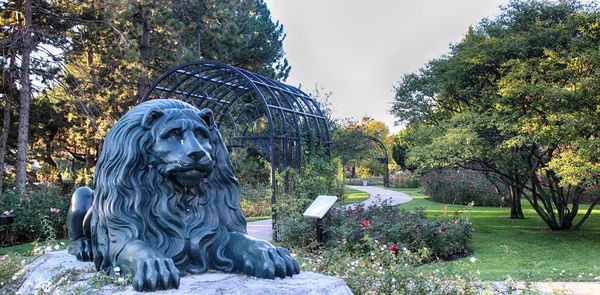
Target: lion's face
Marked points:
182	151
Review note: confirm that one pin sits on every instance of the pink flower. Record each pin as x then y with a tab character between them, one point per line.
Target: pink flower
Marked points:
393	248
441	230
54	210
365	223
454	221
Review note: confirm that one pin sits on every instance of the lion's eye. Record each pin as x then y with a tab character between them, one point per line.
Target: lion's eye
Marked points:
201	133
175	133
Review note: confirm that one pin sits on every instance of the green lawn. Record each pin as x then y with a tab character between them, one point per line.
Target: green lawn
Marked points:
523	249
352	196
25	249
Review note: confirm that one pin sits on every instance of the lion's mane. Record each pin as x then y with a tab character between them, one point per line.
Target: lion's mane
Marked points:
132	201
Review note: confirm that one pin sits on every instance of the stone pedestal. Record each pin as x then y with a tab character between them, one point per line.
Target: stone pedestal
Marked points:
60	273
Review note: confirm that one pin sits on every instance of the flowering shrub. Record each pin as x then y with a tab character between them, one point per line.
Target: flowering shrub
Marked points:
385	269
38	214
591	194
460	186
390	225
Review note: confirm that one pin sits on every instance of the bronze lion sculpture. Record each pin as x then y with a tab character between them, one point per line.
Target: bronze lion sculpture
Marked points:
166	203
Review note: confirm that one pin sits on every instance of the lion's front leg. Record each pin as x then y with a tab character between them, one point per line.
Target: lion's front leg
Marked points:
259	258
150	269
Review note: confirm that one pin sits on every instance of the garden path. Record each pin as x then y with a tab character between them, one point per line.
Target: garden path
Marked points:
377	195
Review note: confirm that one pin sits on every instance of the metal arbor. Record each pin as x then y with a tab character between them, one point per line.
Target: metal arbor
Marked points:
383	159
249	109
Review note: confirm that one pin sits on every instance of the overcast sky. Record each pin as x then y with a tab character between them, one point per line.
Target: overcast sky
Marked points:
360	49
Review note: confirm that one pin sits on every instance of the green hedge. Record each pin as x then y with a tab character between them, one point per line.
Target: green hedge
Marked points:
34	218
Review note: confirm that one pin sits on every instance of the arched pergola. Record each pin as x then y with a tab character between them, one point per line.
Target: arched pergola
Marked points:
249	109
383	158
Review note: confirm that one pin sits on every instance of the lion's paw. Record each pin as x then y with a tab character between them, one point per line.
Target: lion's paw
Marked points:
269	262
155	273
82	249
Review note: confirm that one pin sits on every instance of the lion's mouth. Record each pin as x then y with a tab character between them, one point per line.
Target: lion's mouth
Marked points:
190	175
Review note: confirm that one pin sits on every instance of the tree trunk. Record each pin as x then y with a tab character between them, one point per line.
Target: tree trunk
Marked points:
4	137
11	93
24	100
144	82
516	211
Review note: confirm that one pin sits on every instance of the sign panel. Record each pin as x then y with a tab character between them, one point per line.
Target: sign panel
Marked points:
320	206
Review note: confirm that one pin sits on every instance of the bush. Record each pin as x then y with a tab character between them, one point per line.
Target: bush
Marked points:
370	180
383	269
34	218
255	200
405	180
590	195
460	186
442	238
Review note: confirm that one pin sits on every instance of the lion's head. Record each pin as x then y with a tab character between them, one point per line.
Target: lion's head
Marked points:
164	177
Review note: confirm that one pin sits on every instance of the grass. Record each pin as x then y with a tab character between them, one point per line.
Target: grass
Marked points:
523	249
257	218
352	196
25	249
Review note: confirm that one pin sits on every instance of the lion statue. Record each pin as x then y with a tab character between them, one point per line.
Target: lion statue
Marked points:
166	203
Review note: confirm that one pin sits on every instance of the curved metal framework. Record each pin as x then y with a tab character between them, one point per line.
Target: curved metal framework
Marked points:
384	158
249	109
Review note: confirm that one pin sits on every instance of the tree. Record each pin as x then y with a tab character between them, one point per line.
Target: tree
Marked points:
352	143
28	29
117	48
24	97
516	98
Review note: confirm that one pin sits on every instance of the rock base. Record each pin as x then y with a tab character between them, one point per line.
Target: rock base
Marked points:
60	273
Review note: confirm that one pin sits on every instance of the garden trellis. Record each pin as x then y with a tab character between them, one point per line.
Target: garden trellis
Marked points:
250	109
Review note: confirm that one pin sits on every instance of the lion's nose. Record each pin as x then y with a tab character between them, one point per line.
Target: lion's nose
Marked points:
196	154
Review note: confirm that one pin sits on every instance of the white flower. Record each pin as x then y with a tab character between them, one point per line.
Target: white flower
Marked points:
117	269
56	247
14	278
472	259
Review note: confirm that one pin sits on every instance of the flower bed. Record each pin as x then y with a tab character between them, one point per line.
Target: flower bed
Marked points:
350	229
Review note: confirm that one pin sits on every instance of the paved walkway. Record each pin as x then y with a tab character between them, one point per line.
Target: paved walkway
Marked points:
377	195
260	229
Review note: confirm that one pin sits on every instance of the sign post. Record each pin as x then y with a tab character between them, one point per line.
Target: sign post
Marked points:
317	209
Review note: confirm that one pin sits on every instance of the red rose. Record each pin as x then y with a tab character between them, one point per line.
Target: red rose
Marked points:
365	223
393	248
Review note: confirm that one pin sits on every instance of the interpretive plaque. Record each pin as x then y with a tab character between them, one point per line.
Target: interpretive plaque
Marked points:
320	206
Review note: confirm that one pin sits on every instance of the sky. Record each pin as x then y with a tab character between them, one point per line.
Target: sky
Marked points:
360	49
